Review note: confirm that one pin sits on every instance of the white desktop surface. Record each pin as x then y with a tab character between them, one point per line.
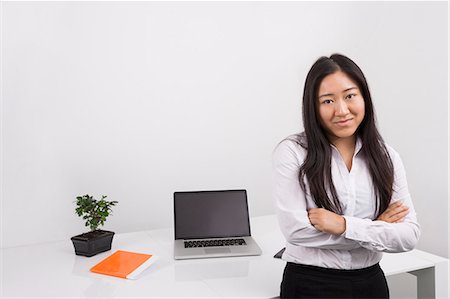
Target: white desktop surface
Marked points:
53	270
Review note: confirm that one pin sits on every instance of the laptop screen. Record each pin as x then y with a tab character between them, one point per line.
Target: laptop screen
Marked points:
211	214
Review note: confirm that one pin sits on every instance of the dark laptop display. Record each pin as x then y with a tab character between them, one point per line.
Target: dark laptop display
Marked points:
212	224
211	214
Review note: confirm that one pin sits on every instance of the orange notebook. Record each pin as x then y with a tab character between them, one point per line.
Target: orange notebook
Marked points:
124	264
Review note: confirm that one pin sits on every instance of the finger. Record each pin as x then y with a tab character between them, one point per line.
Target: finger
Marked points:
395	204
315	224
399	216
400	220
400	210
315	210
388	214
314	219
400	207
390	209
396	210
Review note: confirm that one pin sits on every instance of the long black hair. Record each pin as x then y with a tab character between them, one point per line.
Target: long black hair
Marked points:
317	165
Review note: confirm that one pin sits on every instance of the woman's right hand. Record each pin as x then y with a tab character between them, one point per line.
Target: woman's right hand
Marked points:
395	213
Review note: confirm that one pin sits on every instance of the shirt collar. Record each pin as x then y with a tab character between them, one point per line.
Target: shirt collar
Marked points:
358	146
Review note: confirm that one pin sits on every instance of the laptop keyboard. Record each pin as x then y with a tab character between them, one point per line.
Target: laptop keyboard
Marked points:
212	243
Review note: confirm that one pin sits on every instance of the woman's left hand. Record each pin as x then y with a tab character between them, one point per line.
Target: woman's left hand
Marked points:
326	221
395	213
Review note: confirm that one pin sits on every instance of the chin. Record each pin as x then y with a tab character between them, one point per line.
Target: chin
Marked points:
344	134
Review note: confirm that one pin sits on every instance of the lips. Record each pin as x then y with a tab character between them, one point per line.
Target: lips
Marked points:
343	122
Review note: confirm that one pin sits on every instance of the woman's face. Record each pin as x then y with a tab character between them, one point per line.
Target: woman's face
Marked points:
340	106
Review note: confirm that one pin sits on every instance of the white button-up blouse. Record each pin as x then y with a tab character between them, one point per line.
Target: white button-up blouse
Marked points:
364	240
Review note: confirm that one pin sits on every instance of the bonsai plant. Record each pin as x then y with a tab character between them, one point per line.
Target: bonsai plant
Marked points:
95	213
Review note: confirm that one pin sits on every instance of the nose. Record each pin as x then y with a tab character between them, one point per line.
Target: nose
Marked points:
341	108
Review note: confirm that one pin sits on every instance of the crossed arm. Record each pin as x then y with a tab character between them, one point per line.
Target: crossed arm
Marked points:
332	223
395	230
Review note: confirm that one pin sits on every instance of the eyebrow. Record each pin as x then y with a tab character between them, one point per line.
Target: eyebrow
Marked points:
331	94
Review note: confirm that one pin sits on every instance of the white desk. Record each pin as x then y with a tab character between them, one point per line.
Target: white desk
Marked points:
54	271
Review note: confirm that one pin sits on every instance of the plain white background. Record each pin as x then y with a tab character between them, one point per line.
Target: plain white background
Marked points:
138	100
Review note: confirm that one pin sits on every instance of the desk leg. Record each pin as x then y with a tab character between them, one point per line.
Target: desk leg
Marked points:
425	283
433	282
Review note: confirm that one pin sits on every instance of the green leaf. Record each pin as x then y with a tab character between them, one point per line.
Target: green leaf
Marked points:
94	212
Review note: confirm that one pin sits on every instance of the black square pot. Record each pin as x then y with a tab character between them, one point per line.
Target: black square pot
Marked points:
92	243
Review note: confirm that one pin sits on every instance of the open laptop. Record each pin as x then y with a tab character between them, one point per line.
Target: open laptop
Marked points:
212	224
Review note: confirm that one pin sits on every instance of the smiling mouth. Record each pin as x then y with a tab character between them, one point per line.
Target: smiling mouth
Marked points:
343	121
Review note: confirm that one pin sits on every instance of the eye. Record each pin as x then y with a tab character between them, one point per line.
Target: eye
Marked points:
327	101
350	96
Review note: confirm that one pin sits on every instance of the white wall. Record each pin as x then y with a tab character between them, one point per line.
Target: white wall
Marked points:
138	100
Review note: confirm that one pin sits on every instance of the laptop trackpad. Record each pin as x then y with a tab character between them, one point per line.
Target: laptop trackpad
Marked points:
217	250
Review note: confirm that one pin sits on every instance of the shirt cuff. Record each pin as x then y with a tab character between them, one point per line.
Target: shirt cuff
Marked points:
364	232
354	228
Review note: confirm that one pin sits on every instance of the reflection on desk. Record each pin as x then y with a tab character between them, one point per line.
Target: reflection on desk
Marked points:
53	270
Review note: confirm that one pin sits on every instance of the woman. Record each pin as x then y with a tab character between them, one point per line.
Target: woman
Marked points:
340	192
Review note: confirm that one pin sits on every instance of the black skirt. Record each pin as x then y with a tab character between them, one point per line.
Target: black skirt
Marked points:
304	281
